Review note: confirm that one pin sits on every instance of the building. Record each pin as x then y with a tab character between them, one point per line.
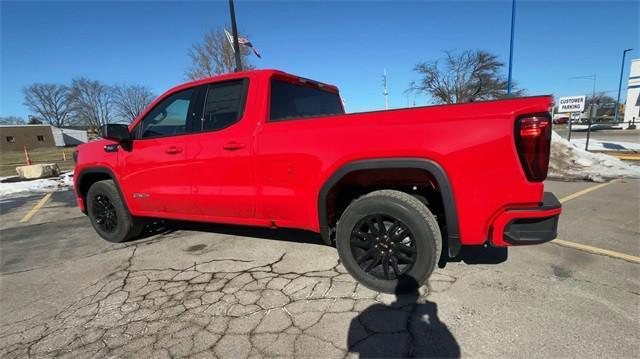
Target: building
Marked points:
14	137
632	106
68	136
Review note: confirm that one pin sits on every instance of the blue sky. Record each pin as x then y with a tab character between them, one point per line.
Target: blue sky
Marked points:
344	43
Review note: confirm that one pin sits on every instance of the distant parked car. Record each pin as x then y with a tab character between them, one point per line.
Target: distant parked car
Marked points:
561	121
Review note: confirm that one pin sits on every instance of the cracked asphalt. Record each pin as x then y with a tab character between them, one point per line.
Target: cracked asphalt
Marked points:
190	290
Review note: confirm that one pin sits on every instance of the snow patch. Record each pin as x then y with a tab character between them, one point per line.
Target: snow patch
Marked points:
60	183
572	163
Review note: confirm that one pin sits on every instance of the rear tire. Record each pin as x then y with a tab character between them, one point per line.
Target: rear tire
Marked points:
109	215
393	227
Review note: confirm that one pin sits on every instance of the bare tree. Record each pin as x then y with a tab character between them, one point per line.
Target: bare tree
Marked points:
50	102
92	102
599	99
465	77
129	101
11	120
214	56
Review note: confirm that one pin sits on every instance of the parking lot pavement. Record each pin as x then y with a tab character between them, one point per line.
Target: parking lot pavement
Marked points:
203	290
59	206
611	214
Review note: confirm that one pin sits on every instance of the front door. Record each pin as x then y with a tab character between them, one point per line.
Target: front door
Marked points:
154	166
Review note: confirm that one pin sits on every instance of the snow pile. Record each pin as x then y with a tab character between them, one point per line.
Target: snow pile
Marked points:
60	183
572	163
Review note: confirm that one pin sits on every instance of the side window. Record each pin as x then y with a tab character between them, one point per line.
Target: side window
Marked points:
168	118
223	105
295	101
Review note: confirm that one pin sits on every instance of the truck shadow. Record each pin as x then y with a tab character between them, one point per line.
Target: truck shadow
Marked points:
166	227
159	227
477	255
408	327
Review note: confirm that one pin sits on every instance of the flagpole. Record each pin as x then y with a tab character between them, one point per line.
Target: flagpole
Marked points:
513	20
234	30
386	92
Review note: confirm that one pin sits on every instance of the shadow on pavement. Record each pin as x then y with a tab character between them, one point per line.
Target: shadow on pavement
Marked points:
409	327
9	203
165	227
481	255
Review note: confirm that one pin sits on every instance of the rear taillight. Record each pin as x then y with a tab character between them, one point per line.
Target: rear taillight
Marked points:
533	141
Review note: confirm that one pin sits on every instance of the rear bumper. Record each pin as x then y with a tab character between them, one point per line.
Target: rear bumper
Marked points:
521	226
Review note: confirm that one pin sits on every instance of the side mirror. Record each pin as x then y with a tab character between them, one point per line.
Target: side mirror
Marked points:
115	131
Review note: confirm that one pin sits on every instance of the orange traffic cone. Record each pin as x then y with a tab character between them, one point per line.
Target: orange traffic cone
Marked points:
27	159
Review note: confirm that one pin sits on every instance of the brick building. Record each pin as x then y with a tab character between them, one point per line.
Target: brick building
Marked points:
14	137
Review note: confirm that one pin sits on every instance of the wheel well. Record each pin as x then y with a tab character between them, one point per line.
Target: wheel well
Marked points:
417	182
88	179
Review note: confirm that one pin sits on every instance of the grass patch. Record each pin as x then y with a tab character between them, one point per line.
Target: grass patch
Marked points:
9	160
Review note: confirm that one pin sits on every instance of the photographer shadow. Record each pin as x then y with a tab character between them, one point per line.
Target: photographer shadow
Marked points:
408	327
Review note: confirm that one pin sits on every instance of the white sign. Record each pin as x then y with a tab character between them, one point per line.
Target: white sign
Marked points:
575	115
571	104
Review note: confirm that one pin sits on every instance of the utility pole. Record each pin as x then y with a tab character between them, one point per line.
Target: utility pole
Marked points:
513	21
592	110
624	53
386	92
234	31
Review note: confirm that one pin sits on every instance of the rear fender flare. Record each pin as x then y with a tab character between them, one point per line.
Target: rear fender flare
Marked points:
432	167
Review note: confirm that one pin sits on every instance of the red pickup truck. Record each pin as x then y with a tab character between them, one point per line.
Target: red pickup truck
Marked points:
395	191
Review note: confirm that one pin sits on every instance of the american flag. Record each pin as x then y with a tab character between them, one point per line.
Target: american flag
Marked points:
242	41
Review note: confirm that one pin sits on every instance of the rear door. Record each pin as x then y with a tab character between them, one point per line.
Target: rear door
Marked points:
154	165
220	153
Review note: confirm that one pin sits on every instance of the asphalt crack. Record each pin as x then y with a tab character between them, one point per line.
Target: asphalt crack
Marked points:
224	307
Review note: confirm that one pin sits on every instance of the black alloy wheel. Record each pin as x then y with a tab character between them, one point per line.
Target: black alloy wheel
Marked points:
109	214
105	214
383	246
388	240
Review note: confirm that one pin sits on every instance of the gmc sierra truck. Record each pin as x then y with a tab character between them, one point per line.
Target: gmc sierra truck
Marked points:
395	191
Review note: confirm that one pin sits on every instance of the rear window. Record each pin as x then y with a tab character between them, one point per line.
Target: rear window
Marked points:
289	101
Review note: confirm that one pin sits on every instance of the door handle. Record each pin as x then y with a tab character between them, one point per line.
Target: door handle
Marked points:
173	150
233	145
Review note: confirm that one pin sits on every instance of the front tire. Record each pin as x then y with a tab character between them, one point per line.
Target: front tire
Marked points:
389	241
108	214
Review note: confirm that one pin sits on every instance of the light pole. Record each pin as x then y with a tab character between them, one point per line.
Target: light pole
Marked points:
591	107
624	53
513	21
234	31
589	77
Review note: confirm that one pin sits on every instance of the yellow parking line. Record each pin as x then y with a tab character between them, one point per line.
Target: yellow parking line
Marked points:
588	248
628	158
37	207
584	191
596	250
